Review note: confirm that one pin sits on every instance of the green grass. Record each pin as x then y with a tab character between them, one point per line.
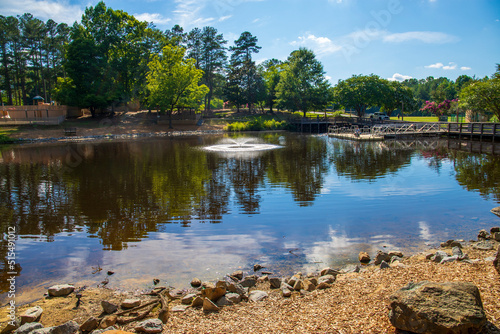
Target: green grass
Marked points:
257	124
421	119
5	134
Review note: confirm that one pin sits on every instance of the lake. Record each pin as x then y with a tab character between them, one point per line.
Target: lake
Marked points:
169	209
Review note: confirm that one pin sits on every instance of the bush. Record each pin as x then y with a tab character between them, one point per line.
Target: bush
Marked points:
257	124
5	139
494	119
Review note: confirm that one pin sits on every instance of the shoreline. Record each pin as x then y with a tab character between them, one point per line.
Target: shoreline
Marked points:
354	302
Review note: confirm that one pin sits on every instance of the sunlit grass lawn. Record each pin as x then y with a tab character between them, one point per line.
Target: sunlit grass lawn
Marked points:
418	119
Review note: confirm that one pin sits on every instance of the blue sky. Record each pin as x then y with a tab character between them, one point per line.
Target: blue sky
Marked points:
395	39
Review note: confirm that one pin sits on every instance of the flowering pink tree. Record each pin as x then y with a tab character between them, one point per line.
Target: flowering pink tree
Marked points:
439	109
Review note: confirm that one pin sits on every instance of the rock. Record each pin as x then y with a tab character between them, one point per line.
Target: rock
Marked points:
439	256
396	253
116	331
46	330
163	315
482	235
248	282
149	326
294	279
351	268
197	302
381	256
257	296
233	298
449	259
100	331
275	282
156	281
426	307
457	251
61	290
221	284
263	279
268	273
327	278
195	283
429	255
384	265
485	245
286	292
238	274
109	307
223	301
323	285
31	315
213	294
298	285
364	257
496	261
69	327
209	306
28	327
496	211
308	285
130	303
108	321
456	244
237	288
176	294
188	299
313	280
495	230
257	267
328	271
179	309
89	325
495	236
11	326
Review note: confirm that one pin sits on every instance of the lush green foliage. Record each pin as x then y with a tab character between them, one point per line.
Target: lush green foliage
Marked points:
173	81
483	95
257	124
302	84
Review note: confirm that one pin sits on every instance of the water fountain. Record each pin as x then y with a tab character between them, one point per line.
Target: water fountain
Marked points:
241	147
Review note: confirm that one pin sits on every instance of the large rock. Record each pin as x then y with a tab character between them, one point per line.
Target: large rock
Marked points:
31	315
257	296
61	290
109	307
233	298
131	303
28	327
238	274
439	256
196	282
248	282
496	261
328	271
426	307
188	299
213	294
496	211
209	306
275	282
69	327
364	257
382	256
89	325
150	326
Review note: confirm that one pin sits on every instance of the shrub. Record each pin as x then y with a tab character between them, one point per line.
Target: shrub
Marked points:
257	124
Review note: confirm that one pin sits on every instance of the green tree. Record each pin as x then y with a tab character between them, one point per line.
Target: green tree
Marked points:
172	79
482	96
360	92
270	71
397	96
302	85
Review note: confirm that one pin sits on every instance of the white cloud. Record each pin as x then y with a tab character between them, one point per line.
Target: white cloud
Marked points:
422	36
436	65
450	66
399	77
327	77
187	13
465	68
60	11
256	20
224	18
155	18
320	45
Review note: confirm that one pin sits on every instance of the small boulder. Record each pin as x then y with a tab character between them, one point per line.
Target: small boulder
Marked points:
248	282
238	274
179	309
257	267
495	236
449	259
495	230
130	303
323	286
108	321
61	290
364	257
482	235
257	296
381	256
496	211
89	325
69	327
31	315
275	282
236	288
209	306
188	299
221	284
223	301
294	279
439	256
384	265
233	298
213	294
395	253
286	292
426	307
485	245
263	279
308	285
28	327
196	283
328	271
197	302
109	307
327	278
298	285
457	251
149	326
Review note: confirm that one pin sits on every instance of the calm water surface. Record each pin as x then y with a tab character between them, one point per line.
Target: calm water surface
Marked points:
167	209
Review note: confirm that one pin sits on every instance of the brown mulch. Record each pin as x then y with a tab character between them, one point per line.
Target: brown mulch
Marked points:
357	303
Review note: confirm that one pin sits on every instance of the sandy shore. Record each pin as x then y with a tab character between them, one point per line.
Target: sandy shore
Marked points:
356	302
